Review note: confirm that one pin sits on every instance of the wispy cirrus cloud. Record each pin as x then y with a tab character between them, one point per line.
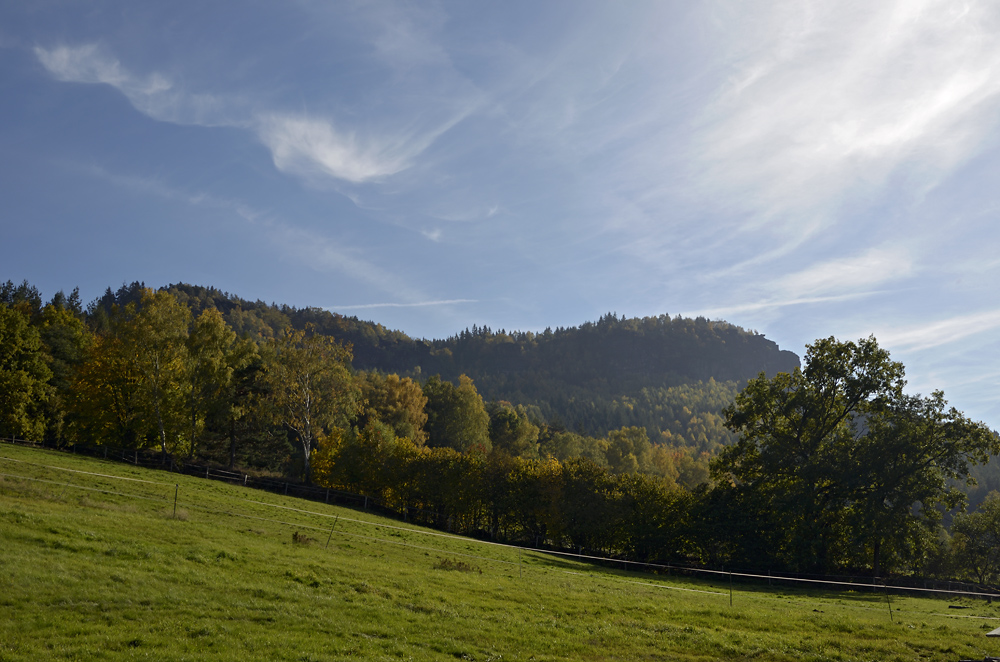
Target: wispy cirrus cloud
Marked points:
847	275
828	99
325	254
832	281
308	146
311	147
415	304
159	188
316	251
941	332
89	64
154	94
769	304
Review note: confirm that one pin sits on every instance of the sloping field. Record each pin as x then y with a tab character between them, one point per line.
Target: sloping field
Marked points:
96	565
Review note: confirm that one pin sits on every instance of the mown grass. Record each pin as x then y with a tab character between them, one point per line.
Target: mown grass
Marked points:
236	575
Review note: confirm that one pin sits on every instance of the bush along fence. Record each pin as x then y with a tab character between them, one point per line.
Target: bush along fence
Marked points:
155	459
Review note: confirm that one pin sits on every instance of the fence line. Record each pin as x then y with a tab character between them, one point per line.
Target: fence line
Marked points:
89	473
658	566
465	555
81	487
313	493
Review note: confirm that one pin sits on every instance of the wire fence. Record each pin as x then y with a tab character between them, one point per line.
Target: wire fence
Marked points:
533	559
156	460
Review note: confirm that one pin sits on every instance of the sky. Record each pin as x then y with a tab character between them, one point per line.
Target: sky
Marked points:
805	170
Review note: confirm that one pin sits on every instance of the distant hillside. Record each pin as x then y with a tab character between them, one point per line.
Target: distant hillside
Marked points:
669	375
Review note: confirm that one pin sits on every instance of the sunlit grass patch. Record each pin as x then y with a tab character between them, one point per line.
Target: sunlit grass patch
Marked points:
118	579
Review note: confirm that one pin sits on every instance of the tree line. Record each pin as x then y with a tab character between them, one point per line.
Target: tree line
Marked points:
141	368
670	376
832	467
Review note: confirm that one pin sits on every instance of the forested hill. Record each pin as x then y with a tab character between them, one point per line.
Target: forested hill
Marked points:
669	375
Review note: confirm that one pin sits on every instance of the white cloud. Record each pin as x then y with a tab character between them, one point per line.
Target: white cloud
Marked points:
770	304
157	187
317	252
308	146
88	64
829	98
942	332
849	274
837	280
300	145
417	304
323	254
154	95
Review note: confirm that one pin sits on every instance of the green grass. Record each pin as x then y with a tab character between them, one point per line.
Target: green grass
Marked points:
95	576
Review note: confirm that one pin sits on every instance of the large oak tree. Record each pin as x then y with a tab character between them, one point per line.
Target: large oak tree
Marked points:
842	463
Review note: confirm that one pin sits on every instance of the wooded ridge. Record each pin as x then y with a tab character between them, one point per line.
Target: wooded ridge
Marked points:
653	439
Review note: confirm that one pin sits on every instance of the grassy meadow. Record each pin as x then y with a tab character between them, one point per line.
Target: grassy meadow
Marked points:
111	573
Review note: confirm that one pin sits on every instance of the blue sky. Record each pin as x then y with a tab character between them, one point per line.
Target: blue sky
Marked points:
802	169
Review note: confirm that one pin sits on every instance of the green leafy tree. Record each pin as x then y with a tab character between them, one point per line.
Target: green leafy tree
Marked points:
565	445
106	398
370	460
250	412
449	485
536	486
976	540
796	431
397	402
456	416
629	450
66	340
311	386
590	511
158	335
215	358
24	298
655	518
24	376
510	430
838	455
905	469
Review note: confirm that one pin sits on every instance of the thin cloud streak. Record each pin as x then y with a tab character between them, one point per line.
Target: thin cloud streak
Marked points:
153	95
418	304
877	266
943	332
301	145
307	146
315	251
158	188
772	304
843	95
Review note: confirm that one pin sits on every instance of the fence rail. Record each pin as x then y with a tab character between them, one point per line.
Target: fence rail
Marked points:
155	459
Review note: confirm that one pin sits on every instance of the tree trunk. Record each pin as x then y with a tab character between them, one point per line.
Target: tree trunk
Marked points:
306	448
194	429
159	421
232	442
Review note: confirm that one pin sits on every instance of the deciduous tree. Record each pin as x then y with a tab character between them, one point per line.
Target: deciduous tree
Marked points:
976	540
311	386
158	335
840	455
23	376
397	402
510	430
456	415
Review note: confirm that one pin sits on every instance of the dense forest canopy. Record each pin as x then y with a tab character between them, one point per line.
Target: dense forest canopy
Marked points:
655	438
671	376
